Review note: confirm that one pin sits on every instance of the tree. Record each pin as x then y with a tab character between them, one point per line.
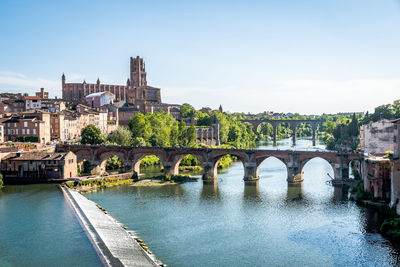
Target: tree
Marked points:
187	111
91	135
121	136
113	163
1	180
140	127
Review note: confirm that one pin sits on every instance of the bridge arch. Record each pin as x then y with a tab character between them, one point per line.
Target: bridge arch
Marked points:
179	158
140	156
278	160
104	156
331	163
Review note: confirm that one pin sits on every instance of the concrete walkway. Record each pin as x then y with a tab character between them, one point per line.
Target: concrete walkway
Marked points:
115	246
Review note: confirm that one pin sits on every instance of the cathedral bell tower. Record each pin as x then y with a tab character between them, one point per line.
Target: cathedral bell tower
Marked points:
138	72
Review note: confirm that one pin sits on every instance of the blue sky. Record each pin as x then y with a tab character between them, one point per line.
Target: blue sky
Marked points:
310	56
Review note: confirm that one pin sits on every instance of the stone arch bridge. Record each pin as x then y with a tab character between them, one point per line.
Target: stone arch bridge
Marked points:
293	126
171	157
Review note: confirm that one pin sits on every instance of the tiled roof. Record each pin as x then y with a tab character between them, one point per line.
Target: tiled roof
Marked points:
35	156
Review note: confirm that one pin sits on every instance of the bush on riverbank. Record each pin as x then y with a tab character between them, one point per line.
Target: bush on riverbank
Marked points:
98	183
1	180
174	178
391	229
357	191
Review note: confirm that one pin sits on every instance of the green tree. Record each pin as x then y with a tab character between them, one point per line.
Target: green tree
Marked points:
120	136
140	127
113	163
187	111
91	135
1	180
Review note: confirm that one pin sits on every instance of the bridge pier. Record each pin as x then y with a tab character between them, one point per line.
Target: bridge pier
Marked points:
294	169
313	136
209	171
294	135
250	171
170	168
294	175
275	134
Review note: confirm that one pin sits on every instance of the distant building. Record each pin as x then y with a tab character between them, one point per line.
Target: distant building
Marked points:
13	105
32	102
136	94
350	113
96	100
38	166
206	110
377	137
42	94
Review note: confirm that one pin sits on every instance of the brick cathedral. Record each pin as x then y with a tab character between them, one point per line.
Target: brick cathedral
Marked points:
136	92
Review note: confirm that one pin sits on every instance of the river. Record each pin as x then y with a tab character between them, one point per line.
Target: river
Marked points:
193	224
233	224
38	228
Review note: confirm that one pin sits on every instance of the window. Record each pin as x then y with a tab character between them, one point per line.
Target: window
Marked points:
25	124
23	131
16	131
27	131
34	131
15	124
71	161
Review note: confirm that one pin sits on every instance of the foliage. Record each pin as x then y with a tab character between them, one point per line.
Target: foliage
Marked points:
32	139
226	161
342	134
86	167
120	136
391	229
388	111
187	111
190	160
1	180
150	160
160	129
113	163
139	141
234	132
91	135
358	191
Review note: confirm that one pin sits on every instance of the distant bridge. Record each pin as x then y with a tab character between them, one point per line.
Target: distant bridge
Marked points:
293	125
171	157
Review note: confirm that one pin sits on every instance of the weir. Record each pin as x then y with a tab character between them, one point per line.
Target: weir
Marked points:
114	245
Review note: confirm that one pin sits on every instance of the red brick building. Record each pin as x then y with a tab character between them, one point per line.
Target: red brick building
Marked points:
38	166
136	89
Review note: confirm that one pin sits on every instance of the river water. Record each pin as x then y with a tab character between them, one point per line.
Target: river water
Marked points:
38	228
193	224
269	224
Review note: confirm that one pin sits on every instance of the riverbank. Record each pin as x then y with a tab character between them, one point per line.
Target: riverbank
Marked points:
94	184
114	244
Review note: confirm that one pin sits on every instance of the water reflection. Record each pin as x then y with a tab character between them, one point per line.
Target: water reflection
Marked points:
209	190
340	193
294	192
251	191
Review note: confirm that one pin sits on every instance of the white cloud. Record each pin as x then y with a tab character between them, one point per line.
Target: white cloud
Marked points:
16	82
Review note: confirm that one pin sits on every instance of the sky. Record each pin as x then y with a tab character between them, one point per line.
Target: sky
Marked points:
299	56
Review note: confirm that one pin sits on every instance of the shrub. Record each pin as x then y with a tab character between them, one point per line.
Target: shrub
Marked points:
1	180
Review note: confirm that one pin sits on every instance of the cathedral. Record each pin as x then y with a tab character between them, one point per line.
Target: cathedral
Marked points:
136	91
